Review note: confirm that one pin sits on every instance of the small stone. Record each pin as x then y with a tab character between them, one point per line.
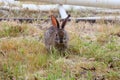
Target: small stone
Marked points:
91	59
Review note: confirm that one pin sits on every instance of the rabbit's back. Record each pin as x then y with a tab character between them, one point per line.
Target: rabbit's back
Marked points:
49	37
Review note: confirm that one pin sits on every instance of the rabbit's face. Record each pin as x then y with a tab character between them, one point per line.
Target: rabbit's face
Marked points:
60	34
60	37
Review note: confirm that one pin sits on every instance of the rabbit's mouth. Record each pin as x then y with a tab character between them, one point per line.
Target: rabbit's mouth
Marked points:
60	45
59	42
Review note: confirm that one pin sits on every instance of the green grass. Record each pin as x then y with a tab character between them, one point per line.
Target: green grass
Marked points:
23	56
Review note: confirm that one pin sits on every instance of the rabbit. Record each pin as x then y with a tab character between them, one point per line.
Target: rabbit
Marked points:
56	36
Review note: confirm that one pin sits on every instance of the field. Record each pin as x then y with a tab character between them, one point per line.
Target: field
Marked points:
93	52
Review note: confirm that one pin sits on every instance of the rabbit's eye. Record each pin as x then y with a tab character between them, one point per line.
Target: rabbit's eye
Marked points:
56	36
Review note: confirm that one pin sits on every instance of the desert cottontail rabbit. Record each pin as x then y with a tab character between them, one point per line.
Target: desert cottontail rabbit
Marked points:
56	36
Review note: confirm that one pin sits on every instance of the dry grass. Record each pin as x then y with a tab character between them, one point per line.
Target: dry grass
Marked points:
93	53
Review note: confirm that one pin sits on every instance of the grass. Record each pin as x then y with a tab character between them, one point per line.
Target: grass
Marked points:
90	56
93	53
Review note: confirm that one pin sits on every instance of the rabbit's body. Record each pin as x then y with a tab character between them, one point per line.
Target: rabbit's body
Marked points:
49	37
52	41
56	36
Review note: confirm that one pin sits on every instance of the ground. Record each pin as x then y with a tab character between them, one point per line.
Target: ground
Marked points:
93	52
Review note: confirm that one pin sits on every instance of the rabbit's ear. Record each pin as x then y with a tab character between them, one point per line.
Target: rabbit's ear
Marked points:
64	22
54	21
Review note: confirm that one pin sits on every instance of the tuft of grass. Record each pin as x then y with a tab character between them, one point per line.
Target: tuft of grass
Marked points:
113	75
13	29
10	30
